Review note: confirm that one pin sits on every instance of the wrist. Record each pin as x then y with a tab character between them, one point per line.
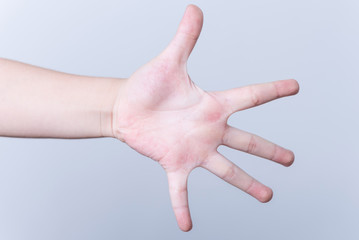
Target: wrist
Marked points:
111	96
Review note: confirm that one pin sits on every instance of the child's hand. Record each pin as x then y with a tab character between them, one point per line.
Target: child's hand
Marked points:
162	114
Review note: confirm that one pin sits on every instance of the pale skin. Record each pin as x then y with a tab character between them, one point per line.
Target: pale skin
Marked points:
158	111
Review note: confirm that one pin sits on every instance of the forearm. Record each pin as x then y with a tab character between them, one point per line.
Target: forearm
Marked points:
36	102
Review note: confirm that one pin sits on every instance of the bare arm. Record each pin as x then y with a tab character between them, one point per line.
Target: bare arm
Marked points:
36	102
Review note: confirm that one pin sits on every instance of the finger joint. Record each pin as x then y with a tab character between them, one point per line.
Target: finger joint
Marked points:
230	173
252	145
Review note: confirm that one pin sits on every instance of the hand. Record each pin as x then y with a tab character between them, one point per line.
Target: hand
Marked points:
163	115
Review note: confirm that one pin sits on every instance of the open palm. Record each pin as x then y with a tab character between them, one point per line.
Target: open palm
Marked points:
163	115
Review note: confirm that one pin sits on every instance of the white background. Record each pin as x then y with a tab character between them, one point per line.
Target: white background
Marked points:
102	189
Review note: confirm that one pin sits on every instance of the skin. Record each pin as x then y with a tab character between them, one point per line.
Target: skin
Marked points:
158	111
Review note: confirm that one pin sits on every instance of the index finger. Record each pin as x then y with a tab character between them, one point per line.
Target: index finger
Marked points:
254	95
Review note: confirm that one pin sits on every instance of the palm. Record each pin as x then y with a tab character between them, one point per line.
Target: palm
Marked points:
165	116
174	117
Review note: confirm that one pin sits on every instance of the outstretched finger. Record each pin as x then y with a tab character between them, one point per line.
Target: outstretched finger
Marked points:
187	34
178	192
253	144
229	172
254	95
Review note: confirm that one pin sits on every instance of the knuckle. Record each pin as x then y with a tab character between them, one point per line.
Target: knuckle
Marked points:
273	157
225	136
252	145
250	186
255	98
178	190
230	173
277	92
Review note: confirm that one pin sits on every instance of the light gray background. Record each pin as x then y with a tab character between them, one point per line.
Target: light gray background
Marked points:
102	189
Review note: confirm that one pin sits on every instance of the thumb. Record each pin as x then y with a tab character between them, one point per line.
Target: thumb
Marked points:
178	192
187	33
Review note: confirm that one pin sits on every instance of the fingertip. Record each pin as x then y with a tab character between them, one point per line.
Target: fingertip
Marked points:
186	228
287	87
194	9
294	87
288	158
184	220
265	195
261	192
